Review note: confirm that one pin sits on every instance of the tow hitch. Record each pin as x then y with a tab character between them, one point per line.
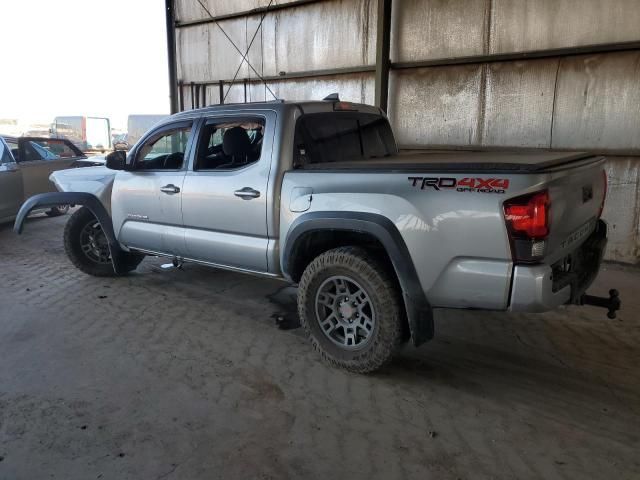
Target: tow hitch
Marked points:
611	303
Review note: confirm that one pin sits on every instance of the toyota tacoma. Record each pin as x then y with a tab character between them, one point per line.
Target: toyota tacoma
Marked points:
316	193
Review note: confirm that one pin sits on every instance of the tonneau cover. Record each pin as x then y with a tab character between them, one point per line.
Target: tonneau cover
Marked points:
467	161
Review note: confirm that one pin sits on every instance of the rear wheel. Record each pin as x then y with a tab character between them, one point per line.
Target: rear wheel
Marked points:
87	246
58	210
350	308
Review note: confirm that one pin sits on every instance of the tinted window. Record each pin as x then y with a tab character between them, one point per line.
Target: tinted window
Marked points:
230	144
164	151
5	155
14	150
47	149
342	137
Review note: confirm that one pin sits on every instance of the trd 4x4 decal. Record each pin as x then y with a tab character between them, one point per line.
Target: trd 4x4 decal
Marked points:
467	184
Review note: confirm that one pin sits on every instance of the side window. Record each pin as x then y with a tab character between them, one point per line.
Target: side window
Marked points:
5	156
164	151
47	149
230	144
7	150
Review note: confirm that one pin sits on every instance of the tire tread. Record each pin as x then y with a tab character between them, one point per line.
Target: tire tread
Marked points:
72	230
388	311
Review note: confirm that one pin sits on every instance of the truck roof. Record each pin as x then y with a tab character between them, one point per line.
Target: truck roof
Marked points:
307	106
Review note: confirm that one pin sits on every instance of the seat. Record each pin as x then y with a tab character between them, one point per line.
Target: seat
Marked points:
236	146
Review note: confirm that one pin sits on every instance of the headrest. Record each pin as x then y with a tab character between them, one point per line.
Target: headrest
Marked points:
236	142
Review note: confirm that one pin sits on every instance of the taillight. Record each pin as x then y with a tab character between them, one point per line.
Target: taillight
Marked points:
528	218
605	182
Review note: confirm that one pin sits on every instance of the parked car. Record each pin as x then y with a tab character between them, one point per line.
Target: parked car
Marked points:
138	125
317	194
25	166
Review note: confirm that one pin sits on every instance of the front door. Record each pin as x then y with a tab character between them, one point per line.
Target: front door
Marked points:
147	200
11	191
224	203
39	158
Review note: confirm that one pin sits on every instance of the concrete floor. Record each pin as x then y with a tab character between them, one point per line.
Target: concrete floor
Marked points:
184	375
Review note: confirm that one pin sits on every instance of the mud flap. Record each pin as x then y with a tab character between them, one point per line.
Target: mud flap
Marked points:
120	259
420	317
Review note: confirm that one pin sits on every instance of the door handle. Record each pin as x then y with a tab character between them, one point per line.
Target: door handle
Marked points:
247	193
170	189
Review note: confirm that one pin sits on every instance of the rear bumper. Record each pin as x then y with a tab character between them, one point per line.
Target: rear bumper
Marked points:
532	290
539	288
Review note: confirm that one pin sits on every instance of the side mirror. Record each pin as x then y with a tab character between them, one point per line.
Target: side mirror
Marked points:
117	160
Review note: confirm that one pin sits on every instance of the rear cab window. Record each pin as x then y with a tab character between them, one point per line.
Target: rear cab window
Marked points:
332	137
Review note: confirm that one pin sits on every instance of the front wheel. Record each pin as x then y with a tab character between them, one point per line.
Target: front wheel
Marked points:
88	248
349	305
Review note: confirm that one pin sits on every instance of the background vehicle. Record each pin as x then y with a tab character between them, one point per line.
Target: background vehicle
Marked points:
120	142
87	133
138	125
316	193
25	166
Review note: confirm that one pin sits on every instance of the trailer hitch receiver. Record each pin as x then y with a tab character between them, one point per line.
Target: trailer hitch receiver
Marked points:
611	303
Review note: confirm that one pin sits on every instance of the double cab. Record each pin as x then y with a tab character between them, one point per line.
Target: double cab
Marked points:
317	193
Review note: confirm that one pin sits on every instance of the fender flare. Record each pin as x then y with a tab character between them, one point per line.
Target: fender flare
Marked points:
118	256
419	311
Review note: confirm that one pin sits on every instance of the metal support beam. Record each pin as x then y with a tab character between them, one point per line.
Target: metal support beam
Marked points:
246	13
513	56
171	55
302	74
383	62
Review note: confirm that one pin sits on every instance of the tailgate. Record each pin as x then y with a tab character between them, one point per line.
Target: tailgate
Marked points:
577	196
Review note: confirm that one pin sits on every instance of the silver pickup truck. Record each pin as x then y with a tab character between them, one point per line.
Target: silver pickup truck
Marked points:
316	193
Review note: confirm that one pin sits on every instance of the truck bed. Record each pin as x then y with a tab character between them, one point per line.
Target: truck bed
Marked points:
463	161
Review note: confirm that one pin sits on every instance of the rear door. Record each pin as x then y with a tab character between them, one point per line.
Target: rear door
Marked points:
39	157
147	200
224	203
11	192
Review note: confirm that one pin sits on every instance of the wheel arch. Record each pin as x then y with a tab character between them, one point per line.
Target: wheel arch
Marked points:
88	200
314	233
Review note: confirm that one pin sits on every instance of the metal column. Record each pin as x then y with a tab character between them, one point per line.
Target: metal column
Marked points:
383	63
171	55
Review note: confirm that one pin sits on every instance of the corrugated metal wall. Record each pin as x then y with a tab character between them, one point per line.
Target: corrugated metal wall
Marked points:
562	74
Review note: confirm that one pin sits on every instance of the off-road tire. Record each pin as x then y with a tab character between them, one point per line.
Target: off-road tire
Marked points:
58	210
381	287
72	245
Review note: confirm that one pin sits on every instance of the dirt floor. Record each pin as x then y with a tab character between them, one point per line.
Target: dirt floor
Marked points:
184	374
